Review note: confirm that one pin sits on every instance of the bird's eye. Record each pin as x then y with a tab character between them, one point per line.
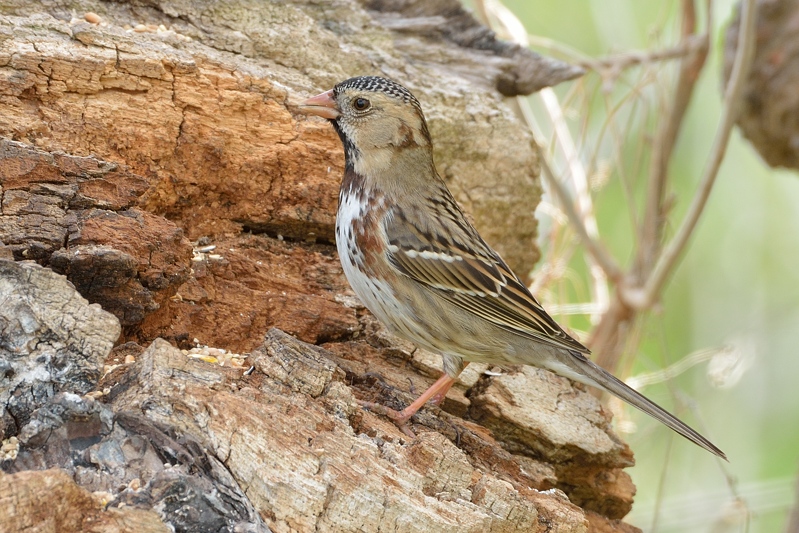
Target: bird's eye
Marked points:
361	104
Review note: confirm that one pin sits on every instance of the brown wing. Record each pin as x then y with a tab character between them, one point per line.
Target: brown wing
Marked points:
464	270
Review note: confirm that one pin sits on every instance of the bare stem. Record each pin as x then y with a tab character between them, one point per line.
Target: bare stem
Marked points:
663	147
619	62
644	298
793	517
579	181
594	247
602	266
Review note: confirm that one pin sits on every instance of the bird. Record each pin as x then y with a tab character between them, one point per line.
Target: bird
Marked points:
422	269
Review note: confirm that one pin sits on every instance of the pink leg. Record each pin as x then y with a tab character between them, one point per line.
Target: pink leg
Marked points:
444	383
437	392
438	399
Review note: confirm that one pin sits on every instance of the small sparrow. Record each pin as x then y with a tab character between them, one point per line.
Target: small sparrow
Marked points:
421	268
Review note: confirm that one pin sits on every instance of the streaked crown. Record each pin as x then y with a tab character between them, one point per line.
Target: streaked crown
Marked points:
379	85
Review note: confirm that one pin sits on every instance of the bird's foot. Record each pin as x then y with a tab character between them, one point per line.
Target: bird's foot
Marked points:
436	392
400	418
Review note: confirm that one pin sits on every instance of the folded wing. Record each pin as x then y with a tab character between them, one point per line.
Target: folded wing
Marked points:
463	269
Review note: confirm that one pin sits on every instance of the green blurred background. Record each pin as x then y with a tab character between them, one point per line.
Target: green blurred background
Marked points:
737	286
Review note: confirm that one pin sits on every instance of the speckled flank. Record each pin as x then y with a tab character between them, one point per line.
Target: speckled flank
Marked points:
357	246
360	247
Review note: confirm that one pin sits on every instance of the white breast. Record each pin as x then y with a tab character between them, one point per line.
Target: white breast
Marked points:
376	294
381	298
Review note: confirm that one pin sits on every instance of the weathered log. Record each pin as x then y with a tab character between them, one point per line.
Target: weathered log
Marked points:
769	117
51	341
120	141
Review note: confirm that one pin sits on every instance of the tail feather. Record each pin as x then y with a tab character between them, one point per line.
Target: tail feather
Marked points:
587	372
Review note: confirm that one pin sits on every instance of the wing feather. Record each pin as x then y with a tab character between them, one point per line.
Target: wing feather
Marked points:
473	277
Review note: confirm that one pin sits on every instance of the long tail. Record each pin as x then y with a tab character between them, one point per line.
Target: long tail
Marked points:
586	371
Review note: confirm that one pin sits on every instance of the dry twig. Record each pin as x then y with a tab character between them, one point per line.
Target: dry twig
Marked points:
606	340
641	288
732	99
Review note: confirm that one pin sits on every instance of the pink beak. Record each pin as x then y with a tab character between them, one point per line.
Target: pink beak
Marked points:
321	105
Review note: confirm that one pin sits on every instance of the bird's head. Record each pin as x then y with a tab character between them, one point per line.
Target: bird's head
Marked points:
379	121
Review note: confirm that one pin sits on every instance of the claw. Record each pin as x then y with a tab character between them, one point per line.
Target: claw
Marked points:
400	418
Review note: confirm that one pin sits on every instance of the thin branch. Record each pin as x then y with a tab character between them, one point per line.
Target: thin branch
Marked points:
617	63
629	102
589	308
643	298
606	337
601	269
689	45
559	50
594	247
580	182
670	372
652	227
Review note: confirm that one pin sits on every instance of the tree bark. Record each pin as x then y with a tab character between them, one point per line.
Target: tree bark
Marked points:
152	156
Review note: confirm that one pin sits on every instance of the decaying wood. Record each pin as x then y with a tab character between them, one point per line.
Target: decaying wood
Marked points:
209	123
516	70
122	145
78	215
49	500
51	340
771	103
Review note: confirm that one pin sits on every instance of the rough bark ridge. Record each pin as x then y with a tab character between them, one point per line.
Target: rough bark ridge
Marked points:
770	115
123	145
